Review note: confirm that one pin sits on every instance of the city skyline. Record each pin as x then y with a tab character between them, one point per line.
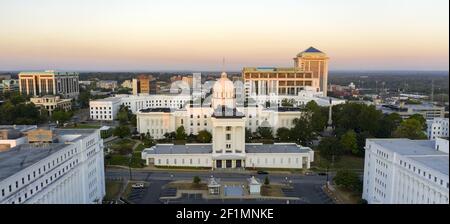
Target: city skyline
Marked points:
181	35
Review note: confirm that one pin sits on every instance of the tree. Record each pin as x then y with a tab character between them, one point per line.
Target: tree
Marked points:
420	119
180	133
388	124
196	180
348	180
349	142
84	97
124	115
410	128
248	135
330	149
265	132
287	103
204	137
122	131
318	115
266	181
170	135
283	134
148	141
61	116
302	132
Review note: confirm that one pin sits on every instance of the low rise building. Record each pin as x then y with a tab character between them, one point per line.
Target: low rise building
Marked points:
13	135
9	85
127	84
69	170
438	128
107	84
51	103
428	111
104	109
403	171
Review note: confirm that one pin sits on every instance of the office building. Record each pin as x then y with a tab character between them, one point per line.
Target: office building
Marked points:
107	84
142	84
437	128
59	167
49	83
403	171
51	103
310	70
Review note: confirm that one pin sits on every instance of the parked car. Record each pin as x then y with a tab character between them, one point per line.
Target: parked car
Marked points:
322	174
261	172
309	173
138	185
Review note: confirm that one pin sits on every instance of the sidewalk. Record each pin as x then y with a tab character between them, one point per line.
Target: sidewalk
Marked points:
155	169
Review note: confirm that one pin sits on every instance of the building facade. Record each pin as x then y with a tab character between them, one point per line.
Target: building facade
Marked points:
104	109
403	171
228	126
428	111
142	84
437	128
9	85
69	170
107	84
310	70
51	103
49	83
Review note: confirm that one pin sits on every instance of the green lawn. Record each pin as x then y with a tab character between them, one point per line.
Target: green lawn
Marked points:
120	160
346	162
112	190
123	146
83	126
140	148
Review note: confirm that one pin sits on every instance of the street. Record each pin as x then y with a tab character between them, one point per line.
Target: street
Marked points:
307	188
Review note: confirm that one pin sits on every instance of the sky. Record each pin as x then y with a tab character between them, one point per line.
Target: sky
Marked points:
167	35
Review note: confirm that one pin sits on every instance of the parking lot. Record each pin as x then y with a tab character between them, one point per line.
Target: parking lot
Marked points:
306	188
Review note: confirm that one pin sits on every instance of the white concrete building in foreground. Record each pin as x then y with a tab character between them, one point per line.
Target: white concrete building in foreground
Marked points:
403	171
437	128
228	126
69	170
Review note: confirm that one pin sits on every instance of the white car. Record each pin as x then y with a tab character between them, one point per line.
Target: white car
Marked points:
138	185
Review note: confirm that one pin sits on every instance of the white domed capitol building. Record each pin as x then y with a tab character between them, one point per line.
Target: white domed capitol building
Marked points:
227	120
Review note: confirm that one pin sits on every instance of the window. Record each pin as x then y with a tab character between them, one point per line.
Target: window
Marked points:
228	128
228	137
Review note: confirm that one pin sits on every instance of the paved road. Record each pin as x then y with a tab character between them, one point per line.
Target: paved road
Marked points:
171	176
307	188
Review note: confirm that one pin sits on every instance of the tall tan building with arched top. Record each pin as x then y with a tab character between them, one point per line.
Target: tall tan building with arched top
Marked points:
310	71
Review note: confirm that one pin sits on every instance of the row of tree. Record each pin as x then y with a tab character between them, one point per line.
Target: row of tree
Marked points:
354	123
16	110
180	134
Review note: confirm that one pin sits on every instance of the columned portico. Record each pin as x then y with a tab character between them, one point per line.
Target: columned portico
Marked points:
228	163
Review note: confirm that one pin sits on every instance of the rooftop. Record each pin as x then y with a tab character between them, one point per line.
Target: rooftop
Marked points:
180	149
276	148
23	156
156	110
207	148
422	151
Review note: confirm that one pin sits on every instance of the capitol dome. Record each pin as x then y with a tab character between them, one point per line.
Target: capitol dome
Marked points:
224	87
223	92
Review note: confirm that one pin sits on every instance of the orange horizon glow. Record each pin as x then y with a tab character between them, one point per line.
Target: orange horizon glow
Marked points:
196	35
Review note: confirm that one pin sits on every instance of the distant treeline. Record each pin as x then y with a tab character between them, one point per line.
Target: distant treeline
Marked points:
411	82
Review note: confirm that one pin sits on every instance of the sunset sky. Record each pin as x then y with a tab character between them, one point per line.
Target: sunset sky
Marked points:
154	35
